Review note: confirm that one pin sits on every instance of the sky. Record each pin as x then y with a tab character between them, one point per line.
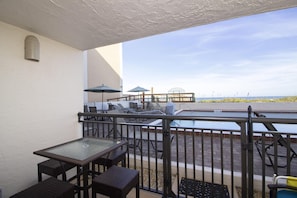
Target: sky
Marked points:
247	56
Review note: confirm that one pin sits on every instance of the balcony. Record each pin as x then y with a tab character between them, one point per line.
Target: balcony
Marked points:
238	161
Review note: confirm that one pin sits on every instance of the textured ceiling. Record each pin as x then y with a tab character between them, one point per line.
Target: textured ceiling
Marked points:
86	24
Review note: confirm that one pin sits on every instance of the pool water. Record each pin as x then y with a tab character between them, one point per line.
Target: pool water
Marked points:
232	125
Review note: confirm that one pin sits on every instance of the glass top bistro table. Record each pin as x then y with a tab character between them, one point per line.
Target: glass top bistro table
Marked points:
81	152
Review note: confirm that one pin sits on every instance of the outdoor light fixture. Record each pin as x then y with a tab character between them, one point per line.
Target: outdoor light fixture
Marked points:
31	48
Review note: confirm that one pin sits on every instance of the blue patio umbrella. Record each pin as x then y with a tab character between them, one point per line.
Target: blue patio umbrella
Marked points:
101	89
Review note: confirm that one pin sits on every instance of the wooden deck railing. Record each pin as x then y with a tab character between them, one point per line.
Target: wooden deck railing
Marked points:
159	98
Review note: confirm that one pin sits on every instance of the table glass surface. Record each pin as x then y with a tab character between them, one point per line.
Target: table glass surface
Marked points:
82	148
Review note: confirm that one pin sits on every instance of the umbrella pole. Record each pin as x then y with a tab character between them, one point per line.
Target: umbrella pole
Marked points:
139	97
102	102
143	100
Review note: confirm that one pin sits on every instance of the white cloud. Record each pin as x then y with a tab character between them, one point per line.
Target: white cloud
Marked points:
253	55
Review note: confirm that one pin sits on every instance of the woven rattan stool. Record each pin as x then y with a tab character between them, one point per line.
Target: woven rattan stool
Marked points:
116	182
112	158
53	168
49	188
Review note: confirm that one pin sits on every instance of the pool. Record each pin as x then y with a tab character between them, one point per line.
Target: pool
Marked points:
232	125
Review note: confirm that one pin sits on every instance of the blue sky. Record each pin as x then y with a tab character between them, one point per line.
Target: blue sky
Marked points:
247	56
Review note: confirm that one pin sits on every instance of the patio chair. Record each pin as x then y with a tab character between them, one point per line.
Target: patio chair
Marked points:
283	187
86	110
269	146
93	109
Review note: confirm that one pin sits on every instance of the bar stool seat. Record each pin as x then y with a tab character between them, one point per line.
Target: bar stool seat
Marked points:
53	168
112	158
116	182
49	188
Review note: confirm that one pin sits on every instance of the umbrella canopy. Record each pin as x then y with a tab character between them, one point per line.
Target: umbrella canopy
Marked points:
101	89
138	89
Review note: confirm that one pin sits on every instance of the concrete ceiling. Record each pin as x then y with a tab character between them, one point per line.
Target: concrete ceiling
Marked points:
87	24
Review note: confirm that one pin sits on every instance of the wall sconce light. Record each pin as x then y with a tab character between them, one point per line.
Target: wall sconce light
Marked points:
31	48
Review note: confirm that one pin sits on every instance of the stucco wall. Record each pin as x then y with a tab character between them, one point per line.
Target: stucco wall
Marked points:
105	67
38	104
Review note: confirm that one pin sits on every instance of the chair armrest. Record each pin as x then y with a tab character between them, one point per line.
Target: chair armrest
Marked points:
275	186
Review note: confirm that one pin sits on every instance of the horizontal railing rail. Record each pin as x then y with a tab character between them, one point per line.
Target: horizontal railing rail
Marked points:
211	155
160	98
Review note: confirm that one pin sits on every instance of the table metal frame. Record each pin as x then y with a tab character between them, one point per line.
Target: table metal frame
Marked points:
83	163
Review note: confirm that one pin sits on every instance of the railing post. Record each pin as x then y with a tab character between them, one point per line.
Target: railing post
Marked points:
167	191
243	159
115	129
250	154
247	162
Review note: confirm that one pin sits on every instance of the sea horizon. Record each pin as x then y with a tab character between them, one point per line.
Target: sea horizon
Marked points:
240	97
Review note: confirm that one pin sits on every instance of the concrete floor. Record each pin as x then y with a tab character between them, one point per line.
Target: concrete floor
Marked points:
132	194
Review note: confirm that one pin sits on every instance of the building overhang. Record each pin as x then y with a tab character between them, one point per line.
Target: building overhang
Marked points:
87	24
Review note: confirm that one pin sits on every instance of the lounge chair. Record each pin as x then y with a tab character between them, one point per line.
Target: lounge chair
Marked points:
144	134
135	135
269	146
153	106
130	110
136	119
123	109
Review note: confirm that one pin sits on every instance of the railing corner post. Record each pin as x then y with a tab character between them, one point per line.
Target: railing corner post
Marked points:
167	190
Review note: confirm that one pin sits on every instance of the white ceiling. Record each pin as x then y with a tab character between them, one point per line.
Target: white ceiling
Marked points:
87	24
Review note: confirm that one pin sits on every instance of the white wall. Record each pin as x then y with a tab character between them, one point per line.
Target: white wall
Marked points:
38	104
105	67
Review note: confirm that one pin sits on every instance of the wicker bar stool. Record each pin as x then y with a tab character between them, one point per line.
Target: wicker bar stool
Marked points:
116	182
112	158
49	188
53	168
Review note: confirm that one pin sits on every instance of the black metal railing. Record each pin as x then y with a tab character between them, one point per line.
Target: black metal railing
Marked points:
274	151
168	155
